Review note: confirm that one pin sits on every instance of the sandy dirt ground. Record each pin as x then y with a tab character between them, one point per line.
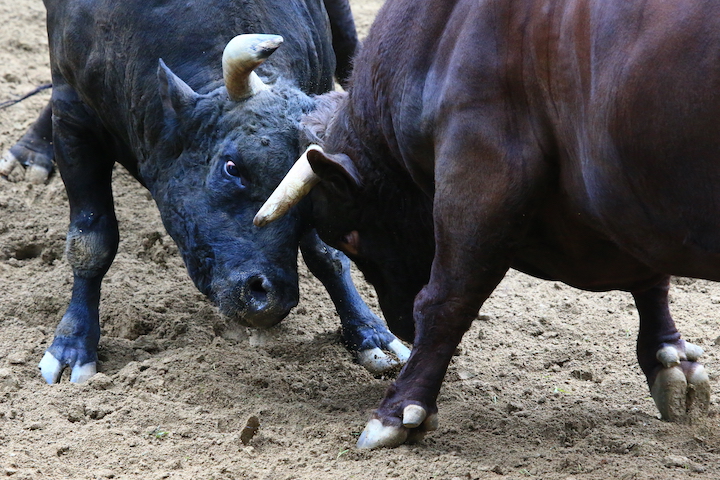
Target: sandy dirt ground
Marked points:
545	385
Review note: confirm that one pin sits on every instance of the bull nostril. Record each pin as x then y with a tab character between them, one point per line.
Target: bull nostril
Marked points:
257	286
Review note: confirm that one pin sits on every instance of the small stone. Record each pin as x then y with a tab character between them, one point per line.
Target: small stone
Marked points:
35	426
105	473
582	375
671	461
514	407
8	381
717	341
250	451
174	464
100	381
75	413
250	429
498	469
17	358
11	78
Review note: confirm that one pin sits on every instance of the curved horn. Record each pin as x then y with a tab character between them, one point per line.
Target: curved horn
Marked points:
242	55
297	183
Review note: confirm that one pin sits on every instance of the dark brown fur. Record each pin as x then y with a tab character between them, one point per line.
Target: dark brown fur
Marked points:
575	140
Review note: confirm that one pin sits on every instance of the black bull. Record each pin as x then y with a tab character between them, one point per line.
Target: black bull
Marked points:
575	140
149	85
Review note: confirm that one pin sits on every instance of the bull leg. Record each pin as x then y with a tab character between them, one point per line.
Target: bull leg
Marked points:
344	37
92	242
34	150
679	385
363	332
471	257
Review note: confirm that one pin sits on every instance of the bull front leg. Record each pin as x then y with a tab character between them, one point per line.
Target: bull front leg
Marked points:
443	312
92	238
679	384
363	332
34	151
481	206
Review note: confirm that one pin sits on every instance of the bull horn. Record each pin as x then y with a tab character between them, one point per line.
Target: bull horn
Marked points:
242	55
297	183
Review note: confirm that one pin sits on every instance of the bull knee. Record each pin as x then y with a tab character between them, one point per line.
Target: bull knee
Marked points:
442	317
90	252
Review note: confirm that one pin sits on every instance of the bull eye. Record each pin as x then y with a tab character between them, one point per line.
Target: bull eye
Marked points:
231	169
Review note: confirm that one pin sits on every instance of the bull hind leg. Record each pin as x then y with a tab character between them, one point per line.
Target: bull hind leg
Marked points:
34	151
92	241
363	332
679	384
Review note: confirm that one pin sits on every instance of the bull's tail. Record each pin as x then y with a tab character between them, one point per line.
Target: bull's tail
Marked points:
8	103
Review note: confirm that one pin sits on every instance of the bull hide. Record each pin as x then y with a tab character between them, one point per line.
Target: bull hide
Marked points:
573	140
208	121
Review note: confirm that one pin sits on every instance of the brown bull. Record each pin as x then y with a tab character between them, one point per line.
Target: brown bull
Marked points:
575	140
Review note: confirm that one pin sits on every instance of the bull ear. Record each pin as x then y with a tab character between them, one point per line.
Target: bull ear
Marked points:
175	94
336	170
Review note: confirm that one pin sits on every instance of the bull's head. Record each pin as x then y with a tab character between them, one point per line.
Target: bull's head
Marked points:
383	225
222	153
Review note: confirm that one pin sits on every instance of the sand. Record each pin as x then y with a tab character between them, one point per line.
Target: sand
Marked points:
545	386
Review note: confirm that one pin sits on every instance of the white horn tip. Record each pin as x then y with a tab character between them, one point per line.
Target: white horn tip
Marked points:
252	46
263	217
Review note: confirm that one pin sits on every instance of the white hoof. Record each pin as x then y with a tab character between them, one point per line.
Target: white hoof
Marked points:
693	352
431	423
400	351
413	416
8	162
50	368
377	435
36	175
376	361
81	373
670	394
698	396
668	356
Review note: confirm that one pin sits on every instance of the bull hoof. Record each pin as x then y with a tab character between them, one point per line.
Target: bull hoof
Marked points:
37	171
8	163
681	390
82	373
415	424
378	362
377	435
37	174
51	370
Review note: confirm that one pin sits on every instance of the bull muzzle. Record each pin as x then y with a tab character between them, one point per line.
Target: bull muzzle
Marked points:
257	299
